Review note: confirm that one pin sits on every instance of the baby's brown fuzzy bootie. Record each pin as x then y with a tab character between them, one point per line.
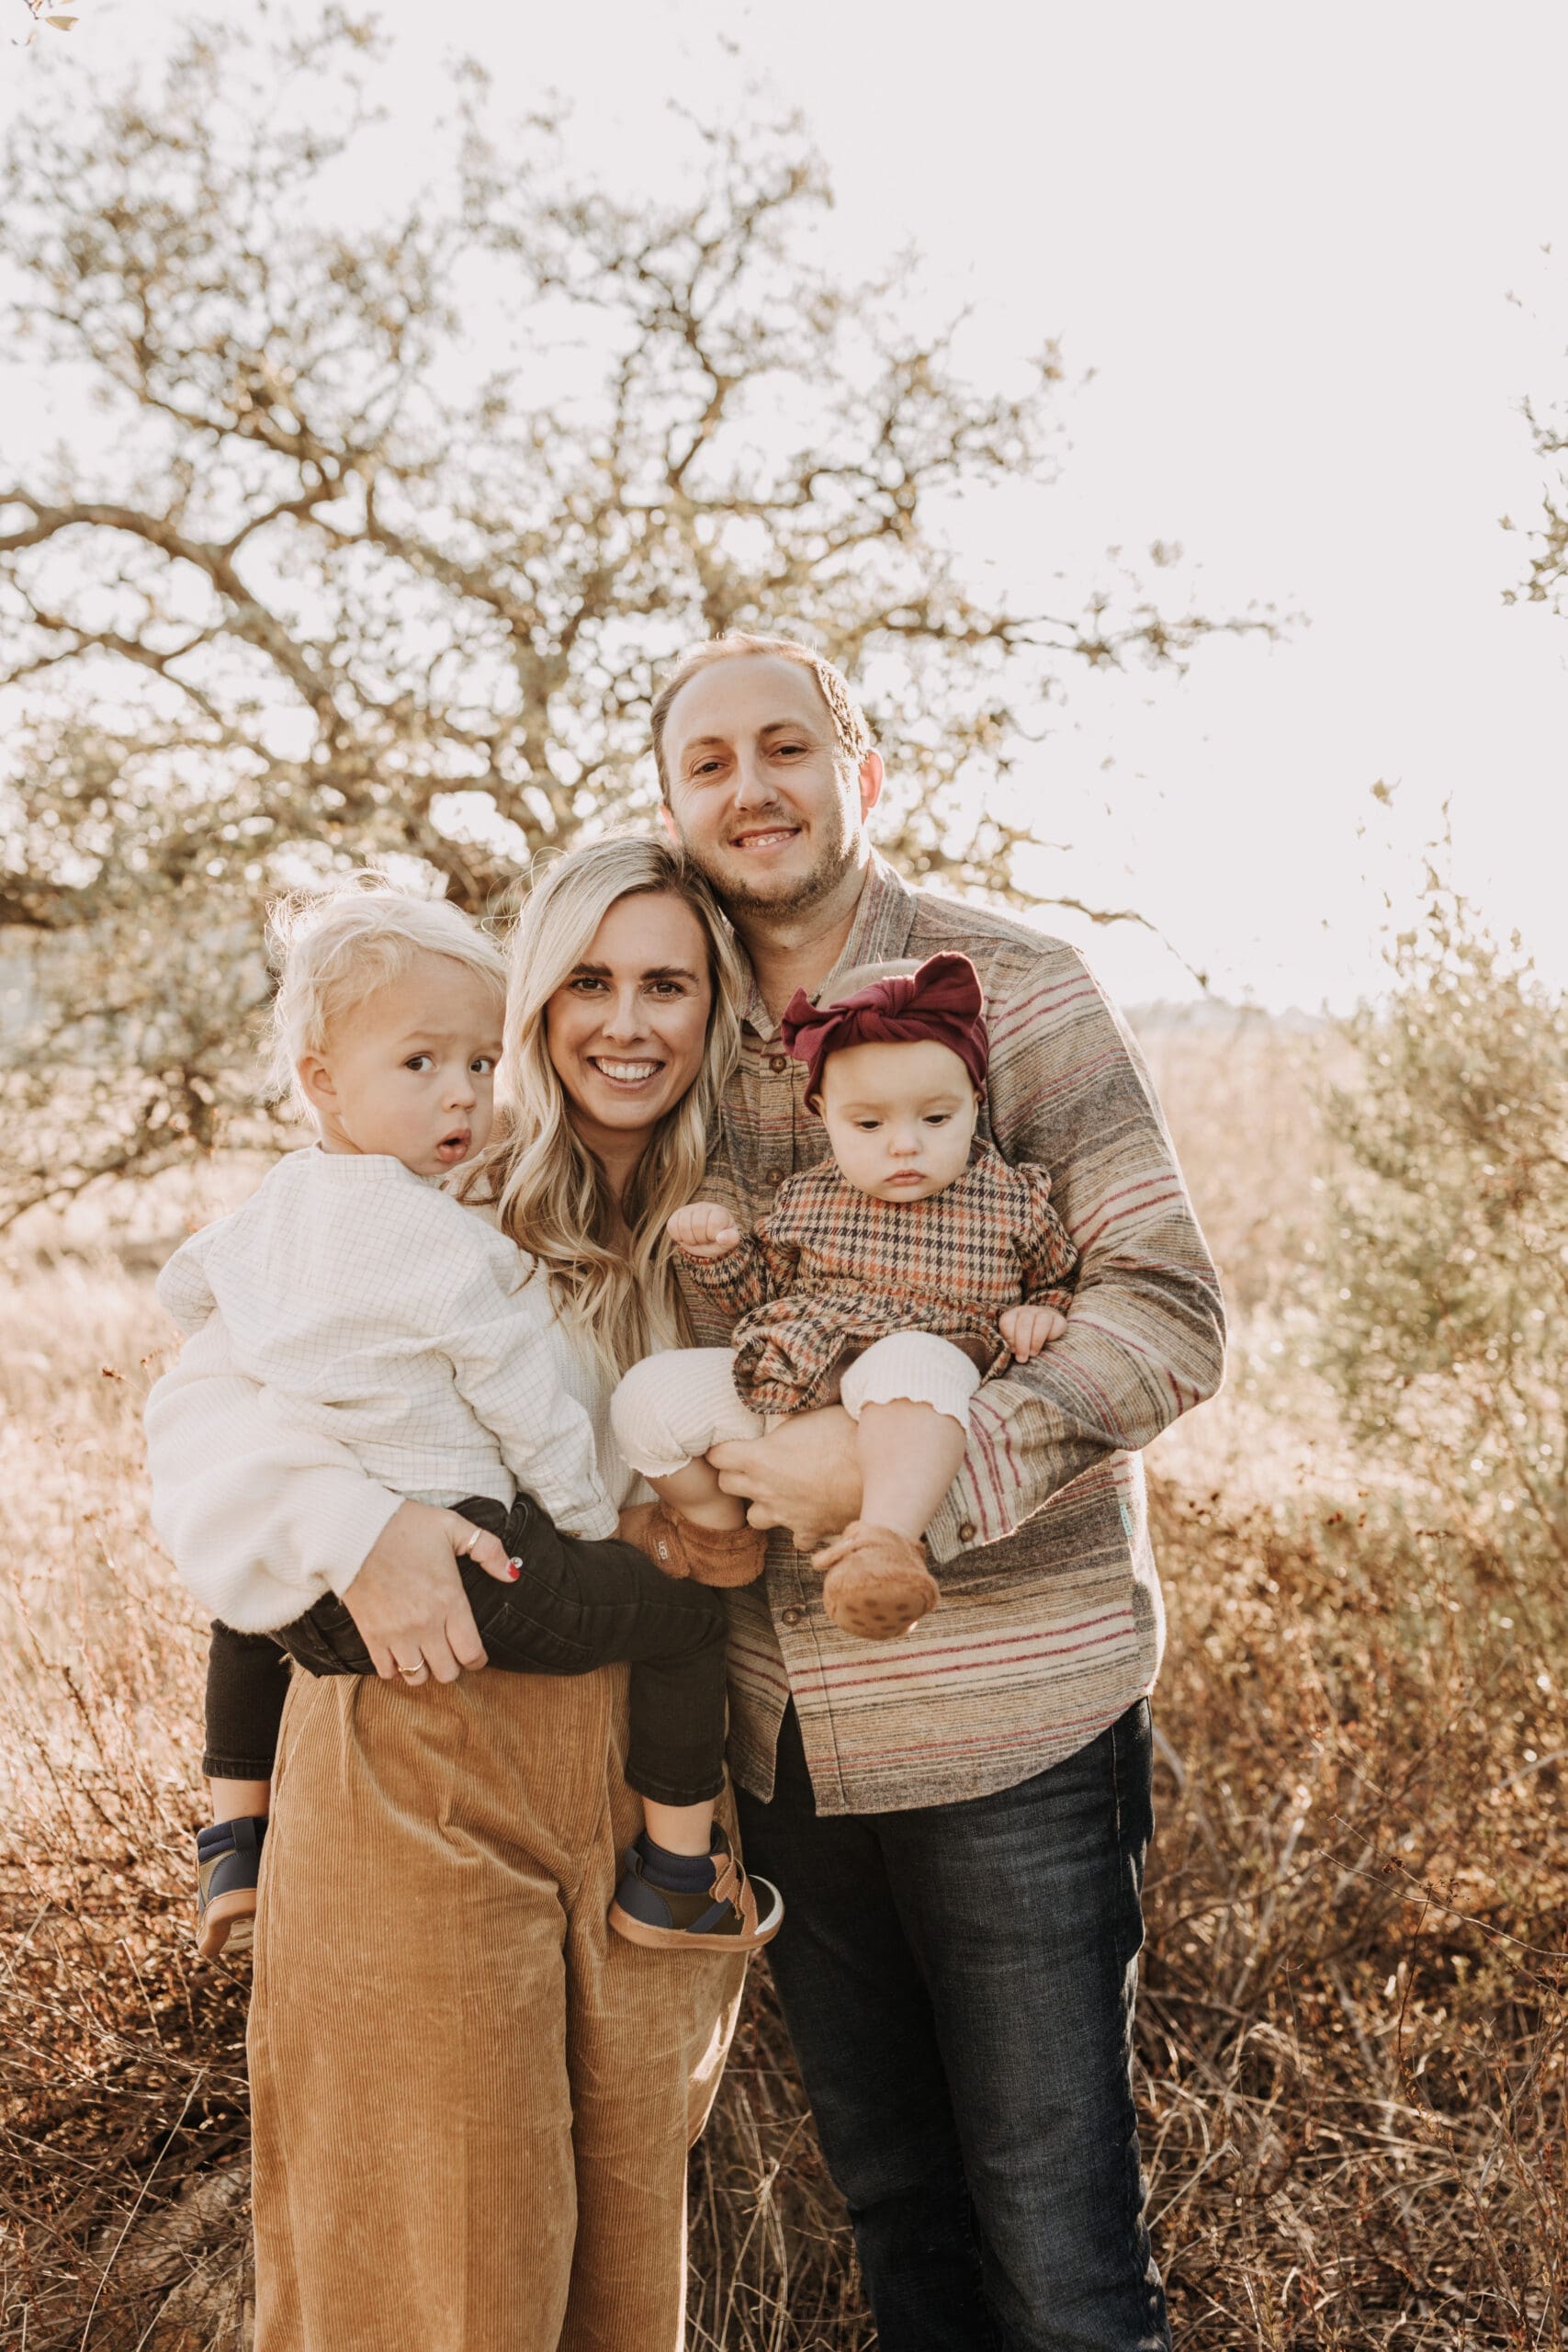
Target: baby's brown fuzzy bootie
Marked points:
718	1556
877	1581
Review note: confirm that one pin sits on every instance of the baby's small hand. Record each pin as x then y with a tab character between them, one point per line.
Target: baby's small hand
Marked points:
704	1231
1028	1329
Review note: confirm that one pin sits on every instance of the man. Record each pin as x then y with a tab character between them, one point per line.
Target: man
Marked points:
959	1821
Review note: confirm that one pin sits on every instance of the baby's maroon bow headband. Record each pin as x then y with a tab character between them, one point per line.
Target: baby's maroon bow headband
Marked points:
943	1000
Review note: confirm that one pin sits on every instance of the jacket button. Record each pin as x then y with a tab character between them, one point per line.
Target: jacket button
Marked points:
791	1617
778	1064
966	1533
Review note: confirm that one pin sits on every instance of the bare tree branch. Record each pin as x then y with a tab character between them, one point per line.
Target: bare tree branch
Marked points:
321	594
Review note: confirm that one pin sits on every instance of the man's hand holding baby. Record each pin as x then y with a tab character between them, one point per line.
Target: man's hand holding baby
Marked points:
702	1229
1028	1331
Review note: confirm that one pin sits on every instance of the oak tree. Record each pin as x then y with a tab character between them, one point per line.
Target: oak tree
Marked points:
381	523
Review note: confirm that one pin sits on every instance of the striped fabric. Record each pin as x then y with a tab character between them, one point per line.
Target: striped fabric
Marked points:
1051	1622
831	1268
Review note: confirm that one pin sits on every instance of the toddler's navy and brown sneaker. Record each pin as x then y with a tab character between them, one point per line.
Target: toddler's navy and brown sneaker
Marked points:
228	1861
694	1902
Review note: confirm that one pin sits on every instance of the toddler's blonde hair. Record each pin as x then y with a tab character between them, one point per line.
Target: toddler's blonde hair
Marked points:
332	950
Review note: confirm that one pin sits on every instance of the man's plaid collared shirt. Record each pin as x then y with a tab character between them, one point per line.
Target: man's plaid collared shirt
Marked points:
1051	1622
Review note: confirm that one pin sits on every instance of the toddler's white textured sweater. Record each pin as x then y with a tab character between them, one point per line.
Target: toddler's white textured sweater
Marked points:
378	1317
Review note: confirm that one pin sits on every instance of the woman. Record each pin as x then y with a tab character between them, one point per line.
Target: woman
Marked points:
472	2102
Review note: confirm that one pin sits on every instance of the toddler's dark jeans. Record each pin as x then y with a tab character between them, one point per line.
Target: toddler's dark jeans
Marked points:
576	1606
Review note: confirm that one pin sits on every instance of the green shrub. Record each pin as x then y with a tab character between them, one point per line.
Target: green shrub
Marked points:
1446	1329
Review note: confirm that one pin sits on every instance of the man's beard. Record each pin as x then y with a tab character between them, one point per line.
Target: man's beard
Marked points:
739	899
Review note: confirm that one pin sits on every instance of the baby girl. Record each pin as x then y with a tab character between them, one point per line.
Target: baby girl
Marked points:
892	1278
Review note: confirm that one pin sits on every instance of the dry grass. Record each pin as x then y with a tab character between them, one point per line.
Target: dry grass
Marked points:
1353	2023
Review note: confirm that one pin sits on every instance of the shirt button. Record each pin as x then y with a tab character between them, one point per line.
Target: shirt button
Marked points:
966	1533
778	1064
775	1176
793	1617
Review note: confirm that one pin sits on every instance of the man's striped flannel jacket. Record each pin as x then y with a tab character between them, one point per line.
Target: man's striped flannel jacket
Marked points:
1051	1622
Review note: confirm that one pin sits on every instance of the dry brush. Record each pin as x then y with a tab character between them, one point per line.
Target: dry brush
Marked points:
1352	2025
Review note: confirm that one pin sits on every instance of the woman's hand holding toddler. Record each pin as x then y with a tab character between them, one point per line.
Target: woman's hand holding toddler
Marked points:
704	1231
1028	1331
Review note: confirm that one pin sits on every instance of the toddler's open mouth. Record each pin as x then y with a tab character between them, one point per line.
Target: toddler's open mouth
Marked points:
454	1148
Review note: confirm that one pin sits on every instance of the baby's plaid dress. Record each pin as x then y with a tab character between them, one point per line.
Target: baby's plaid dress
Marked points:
831	1271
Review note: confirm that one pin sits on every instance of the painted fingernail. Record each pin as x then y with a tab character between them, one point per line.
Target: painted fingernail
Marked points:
514	1569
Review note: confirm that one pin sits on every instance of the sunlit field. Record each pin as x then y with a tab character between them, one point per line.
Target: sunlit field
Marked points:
1352	2021
389	396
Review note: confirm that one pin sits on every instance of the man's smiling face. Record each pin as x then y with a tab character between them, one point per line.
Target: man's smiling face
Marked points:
761	796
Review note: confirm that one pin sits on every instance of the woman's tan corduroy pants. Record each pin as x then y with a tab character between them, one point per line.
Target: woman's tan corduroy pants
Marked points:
472	2101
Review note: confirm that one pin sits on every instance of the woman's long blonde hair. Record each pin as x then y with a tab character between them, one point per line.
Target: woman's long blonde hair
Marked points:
549	1191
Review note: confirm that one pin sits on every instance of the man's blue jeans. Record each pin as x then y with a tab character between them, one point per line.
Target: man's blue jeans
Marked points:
958	1982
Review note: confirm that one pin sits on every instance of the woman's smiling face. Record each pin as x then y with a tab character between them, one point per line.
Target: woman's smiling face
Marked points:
625	1030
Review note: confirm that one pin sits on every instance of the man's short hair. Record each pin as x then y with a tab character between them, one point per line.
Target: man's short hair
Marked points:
854	737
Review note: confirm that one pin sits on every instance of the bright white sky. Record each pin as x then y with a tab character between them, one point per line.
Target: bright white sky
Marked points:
1285	243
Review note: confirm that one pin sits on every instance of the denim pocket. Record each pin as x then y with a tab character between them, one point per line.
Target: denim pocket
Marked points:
1132	1753
521	1643
327	1641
